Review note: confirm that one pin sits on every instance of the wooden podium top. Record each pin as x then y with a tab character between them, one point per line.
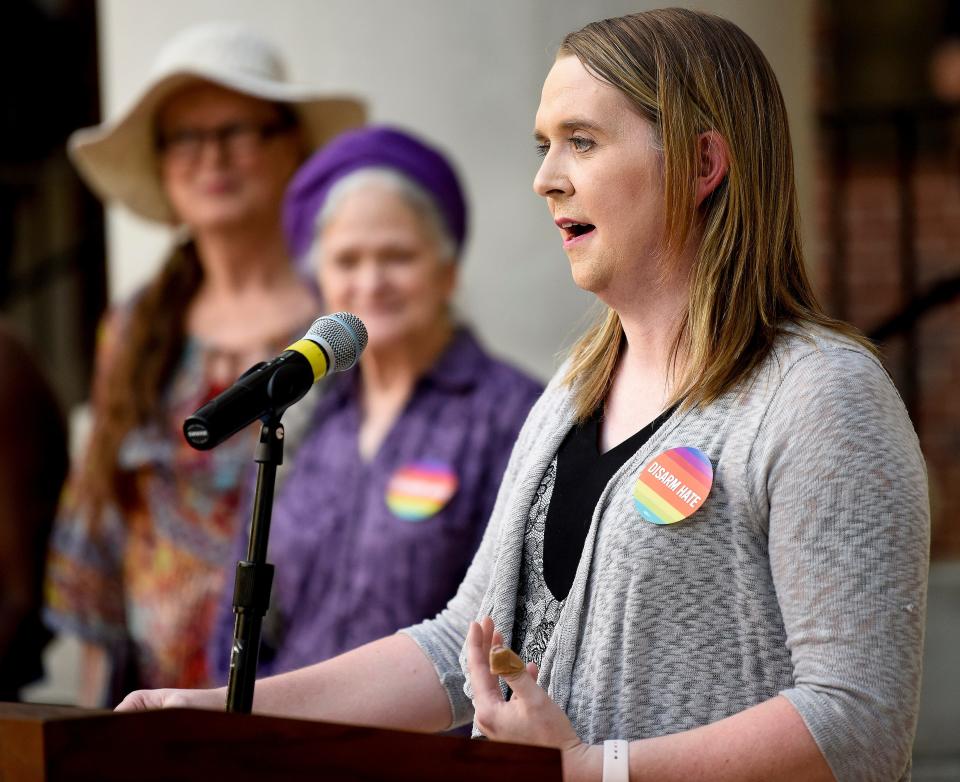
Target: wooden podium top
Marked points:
53	743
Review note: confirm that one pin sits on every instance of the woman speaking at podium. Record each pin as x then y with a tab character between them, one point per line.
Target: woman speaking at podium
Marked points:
710	544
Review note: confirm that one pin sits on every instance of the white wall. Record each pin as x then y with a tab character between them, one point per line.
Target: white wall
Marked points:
467	75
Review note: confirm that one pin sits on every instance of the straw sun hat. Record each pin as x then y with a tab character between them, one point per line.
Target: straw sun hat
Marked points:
118	158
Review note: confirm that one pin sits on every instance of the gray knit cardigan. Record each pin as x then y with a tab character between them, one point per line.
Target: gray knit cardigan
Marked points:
803	572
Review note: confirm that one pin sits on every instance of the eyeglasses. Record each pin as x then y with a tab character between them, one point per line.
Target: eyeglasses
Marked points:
237	139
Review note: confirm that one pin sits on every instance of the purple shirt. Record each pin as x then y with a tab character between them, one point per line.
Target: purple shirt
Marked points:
362	548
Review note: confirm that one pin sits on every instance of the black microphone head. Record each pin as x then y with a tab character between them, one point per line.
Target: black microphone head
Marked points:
344	336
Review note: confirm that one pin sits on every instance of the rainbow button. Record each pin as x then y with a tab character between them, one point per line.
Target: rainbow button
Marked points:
419	490
673	485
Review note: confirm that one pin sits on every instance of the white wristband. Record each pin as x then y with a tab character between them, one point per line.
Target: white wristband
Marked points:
616	761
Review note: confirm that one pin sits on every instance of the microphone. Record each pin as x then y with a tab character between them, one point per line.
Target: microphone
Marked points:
332	344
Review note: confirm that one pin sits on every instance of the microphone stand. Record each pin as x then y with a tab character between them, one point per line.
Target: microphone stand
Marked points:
251	591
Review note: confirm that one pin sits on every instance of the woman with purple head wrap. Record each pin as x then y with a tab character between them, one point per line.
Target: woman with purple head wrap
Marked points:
392	487
372	148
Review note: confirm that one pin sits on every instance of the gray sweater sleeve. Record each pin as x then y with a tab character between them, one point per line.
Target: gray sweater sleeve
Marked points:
442	637
841	470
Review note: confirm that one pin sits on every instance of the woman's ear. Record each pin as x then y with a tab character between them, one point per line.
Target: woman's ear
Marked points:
449	274
713	163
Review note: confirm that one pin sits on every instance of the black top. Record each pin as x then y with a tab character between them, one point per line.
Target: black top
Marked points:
582	474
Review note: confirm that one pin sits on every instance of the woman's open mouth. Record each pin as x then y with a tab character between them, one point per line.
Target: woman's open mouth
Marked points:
573	231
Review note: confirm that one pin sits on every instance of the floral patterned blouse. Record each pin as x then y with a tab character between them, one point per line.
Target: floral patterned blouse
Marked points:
145	582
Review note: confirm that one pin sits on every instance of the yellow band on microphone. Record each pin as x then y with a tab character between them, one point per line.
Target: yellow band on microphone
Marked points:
311	351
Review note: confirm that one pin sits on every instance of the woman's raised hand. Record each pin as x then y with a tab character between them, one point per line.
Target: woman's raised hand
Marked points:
530	716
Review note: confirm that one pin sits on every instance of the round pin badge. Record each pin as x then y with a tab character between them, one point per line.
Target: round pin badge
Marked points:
420	489
673	485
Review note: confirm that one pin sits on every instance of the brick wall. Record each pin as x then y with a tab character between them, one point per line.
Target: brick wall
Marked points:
874	292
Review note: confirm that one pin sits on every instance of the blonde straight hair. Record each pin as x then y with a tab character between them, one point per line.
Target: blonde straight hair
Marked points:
687	73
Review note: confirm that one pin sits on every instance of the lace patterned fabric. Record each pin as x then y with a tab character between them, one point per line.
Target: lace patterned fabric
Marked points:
537	609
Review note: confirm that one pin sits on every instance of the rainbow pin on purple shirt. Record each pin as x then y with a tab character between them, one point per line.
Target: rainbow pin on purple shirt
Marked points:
420	489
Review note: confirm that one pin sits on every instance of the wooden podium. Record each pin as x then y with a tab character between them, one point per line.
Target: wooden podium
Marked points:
54	743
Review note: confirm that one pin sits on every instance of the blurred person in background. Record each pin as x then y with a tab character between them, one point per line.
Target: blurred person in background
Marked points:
944	70
394	482
139	553
33	465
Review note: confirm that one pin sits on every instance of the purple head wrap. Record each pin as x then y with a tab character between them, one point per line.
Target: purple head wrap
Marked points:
370	147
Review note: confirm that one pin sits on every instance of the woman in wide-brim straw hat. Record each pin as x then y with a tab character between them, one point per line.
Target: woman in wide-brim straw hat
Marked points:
208	145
